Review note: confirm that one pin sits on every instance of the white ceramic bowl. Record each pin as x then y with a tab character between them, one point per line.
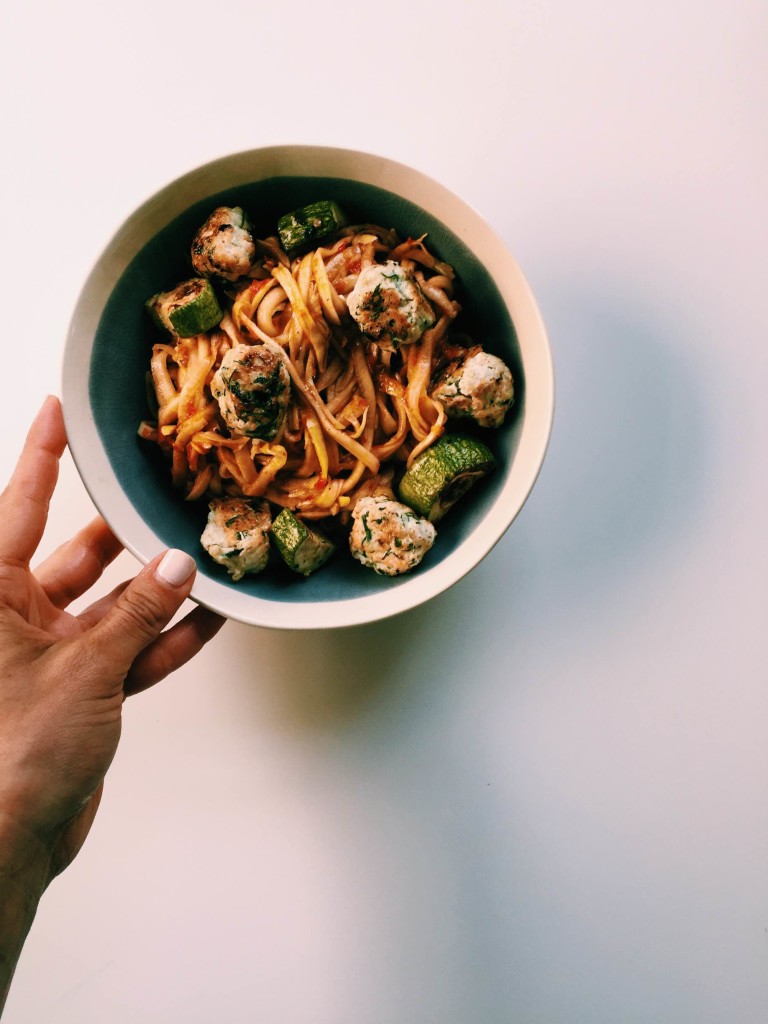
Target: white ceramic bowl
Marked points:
108	348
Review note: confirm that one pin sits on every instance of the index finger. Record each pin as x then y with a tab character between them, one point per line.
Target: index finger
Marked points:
77	565
24	502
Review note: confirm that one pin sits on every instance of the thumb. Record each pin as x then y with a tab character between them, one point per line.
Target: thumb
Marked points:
142	611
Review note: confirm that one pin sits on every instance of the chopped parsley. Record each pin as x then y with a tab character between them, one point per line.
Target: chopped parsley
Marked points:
366	527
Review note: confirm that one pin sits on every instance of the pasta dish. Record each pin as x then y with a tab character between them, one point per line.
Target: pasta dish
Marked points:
312	378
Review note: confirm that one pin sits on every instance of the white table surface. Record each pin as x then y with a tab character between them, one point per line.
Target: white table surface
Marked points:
542	797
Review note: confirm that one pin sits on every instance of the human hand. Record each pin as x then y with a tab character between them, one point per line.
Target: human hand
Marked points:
63	677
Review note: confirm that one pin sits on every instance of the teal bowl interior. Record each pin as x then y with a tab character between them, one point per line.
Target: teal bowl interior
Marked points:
122	350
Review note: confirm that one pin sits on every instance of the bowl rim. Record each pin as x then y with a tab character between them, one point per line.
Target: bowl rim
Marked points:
230	171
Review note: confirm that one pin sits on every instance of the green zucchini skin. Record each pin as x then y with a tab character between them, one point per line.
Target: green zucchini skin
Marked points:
303	550
188	309
444	473
309	223
152	307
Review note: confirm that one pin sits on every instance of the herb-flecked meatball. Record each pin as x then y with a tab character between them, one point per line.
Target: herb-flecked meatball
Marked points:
388	536
223	246
252	387
476	385
388	305
237	535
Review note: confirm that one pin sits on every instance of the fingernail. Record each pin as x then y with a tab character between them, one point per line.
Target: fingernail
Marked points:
176	567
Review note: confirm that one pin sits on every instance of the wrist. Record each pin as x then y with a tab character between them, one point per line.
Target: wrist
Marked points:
25	864
25	860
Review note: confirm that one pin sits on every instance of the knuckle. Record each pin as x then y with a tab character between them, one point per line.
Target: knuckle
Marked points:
157	666
163	664
145	611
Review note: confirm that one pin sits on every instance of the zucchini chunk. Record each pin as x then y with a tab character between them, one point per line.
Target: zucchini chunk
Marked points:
444	473
188	309
309	223
303	550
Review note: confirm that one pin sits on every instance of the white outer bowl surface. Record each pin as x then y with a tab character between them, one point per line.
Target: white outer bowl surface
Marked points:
230	171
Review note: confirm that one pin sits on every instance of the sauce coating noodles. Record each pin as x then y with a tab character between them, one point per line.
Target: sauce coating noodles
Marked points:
356	407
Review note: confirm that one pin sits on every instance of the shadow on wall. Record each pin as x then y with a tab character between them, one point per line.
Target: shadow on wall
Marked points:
627	474
627	480
331	680
401	716
624	481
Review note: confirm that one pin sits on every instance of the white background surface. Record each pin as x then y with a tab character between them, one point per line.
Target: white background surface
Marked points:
542	797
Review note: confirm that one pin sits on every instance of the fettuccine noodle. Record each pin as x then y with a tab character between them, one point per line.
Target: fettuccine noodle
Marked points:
354	407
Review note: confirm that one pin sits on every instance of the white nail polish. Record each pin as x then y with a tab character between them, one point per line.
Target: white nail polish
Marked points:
176	567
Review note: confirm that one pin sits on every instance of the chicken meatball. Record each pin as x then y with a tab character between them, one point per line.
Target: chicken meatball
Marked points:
223	246
237	535
477	386
389	537
252	388
388	305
